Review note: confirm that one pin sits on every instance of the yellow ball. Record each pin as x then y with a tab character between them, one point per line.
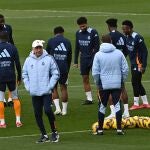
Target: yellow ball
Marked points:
144	122
130	122
136	119
94	127
107	124
114	124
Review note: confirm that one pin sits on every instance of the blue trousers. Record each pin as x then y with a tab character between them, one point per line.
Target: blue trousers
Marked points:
40	102
104	96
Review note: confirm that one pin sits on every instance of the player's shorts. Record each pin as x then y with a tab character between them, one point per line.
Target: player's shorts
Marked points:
85	65
63	79
14	95
11	86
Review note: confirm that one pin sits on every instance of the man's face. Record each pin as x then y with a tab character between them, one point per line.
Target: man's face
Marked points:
83	27
2	21
126	29
38	51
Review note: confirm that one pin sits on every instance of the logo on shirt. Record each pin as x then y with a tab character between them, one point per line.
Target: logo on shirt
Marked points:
4	53
61	47
120	41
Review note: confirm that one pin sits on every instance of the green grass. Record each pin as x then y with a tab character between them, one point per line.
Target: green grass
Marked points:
35	19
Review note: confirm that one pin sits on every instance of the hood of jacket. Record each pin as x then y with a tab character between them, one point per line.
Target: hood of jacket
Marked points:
34	56
107	47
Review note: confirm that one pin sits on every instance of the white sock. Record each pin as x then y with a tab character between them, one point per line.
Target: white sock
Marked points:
144	99
46	135
2	121
4	100
9	99
89	95
64	106
56	102
136	101
112	109
126	108
18	119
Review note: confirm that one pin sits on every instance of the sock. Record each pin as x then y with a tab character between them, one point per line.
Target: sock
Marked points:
144	99
112	108
2	121
2	113
17	107
56	102
126	108
18	119
64	106
89	95
4	100
9	94
136	101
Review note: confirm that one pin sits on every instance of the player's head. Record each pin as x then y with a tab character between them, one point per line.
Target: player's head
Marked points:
58	30
2	21
3	36
112	22
106	38
37	47
127	27
82	22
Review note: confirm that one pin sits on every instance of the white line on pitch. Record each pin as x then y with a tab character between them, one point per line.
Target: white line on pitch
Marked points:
31	135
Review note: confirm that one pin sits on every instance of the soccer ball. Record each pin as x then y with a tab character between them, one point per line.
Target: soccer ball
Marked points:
136	119
144	122
130	122
107	124
147	123
94	127
114	125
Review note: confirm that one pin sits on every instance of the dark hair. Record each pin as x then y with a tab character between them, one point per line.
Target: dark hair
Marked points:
1	16
58	29
128	23
82	20
112	22
3	36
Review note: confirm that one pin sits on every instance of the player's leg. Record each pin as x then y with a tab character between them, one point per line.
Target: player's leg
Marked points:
56	100
112	108
10	101
2	109
143	95
104	95
64	92
51	117
85	67
64	98
124	98
16	102
116	100
136	78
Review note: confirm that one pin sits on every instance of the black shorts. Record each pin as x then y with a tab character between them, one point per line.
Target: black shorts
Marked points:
11	86
85	65
63	78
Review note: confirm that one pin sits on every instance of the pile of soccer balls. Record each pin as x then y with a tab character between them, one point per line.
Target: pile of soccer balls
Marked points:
130	122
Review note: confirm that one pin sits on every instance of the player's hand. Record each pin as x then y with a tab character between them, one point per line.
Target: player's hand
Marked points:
75	65
18	82
142	70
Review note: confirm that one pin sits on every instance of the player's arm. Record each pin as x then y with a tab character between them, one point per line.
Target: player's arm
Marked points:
48	47
10	36
144	53
76	55
96	42
69	56
18	65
